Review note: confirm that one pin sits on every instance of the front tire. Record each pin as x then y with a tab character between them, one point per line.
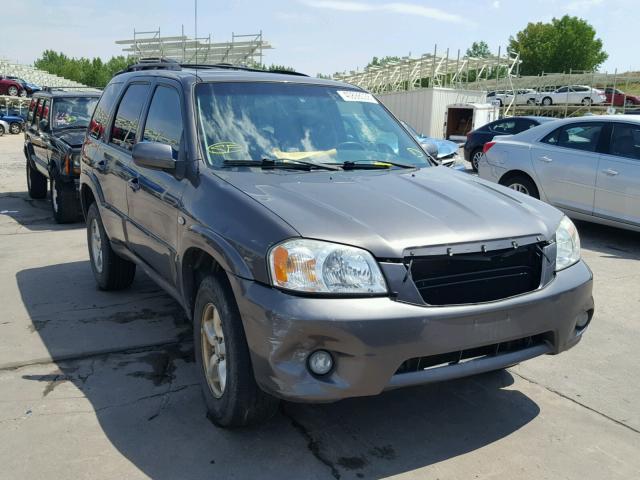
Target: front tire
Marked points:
522	184
223	363
36	182
15	128
12	91
110	271
546	101
64	201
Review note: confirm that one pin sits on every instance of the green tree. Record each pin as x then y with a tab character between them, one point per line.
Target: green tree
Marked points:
479	50
92	72
564	44
381	62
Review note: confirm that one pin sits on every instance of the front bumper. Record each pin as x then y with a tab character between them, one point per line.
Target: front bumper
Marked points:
370	338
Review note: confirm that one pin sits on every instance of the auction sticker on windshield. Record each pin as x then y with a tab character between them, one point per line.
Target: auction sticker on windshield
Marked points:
352	96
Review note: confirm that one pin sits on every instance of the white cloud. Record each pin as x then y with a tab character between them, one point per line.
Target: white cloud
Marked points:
495	4
392	7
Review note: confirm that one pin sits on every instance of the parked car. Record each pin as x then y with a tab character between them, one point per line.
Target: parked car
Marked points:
16	122
309	239
11	88
476	139
523	96
56	125
445	151
4	127
30	88
572	95
588	167
620	98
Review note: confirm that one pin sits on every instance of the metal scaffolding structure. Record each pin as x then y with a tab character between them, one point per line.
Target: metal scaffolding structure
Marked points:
242	49
434	70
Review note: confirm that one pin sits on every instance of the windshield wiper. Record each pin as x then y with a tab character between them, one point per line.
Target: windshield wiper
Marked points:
269	163
377	165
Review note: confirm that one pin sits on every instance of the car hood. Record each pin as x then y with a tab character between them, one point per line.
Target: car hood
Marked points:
388	212
73	138
445	147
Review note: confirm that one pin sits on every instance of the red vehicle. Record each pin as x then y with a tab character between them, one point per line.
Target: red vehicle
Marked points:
620	98
11	87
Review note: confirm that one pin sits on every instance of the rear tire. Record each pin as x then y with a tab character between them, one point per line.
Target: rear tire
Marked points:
221	351
522	184
110	271
36	182
1	130
12	91
547	101
586	101
15	128
476	155
64	201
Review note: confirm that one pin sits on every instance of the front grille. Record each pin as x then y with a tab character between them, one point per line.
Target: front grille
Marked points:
477	277
461	356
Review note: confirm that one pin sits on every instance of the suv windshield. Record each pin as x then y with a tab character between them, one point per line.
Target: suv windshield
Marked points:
73	112
323	124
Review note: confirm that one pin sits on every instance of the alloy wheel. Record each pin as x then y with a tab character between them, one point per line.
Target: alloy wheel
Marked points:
14	128
214	360
518	187
96	245
13	91
54	195
476	159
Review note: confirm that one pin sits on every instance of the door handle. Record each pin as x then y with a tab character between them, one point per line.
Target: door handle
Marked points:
545	159
134	184
610	172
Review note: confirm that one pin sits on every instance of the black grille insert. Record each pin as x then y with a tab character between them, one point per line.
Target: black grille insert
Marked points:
477	277
461	356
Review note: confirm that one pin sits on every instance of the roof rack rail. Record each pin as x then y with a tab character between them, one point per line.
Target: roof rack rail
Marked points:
152	63
230	66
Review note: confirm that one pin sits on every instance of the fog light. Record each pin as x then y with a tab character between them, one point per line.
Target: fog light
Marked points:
582	320
320	362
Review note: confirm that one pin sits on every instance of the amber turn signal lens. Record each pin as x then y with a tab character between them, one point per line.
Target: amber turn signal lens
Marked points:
280	260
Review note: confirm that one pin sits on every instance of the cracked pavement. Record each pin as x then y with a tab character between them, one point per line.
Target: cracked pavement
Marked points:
102	385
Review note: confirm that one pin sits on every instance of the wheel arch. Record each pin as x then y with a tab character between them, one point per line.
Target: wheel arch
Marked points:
519	173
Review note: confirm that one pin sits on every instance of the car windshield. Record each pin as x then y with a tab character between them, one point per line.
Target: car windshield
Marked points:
296	122
73	112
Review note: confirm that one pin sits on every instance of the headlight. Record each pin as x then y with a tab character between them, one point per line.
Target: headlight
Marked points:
323	267
567	244
76	161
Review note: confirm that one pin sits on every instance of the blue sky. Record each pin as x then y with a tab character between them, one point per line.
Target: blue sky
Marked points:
310	35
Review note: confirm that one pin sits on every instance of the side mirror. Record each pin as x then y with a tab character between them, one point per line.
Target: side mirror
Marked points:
44	125
431	149
154	155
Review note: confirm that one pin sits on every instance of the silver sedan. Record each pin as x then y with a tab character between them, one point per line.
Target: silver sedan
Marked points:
588	167
4	127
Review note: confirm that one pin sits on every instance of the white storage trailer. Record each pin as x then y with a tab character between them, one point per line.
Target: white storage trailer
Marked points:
461	118
425	109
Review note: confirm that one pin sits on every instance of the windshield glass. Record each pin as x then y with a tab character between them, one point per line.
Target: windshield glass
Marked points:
276	121
73	112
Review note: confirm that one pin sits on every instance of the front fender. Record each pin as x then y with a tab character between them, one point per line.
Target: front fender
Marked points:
205	239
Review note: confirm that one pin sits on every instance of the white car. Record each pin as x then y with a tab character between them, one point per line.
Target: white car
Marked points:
523	96
572	95
4	127
588	167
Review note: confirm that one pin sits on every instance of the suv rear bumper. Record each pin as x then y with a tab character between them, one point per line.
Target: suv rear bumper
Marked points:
370	338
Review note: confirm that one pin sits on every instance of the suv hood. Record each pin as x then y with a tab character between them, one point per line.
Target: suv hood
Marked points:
387	212
73	138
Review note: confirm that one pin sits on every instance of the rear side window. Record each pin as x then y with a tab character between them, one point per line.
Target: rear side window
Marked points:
127	121
506	127
625	141
576	136
103	109
32	108
164	120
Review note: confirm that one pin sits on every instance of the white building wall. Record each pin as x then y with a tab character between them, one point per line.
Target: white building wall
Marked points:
425	109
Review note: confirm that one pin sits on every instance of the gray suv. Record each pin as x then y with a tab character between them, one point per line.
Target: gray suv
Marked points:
317	250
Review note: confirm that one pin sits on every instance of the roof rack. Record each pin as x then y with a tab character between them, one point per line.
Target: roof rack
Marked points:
162	63
68	89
